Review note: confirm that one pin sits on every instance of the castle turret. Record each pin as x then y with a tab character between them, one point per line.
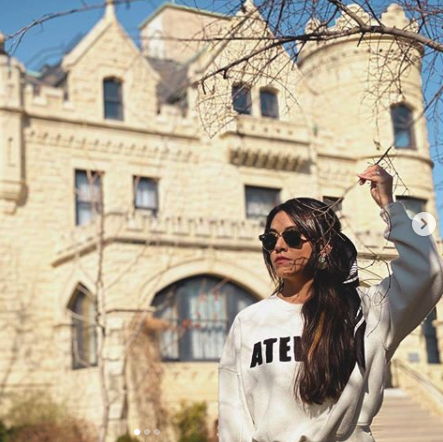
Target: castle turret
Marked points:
11	130
357	79
366	97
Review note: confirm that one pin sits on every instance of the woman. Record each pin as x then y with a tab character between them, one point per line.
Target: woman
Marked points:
308	363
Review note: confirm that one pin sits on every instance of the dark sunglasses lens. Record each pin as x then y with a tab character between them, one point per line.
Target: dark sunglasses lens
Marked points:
292	238
268	240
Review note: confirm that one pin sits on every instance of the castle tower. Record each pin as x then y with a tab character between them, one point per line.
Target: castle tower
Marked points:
357	85
366	97
355	80
11	130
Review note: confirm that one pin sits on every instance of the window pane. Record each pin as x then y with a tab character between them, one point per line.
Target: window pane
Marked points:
84	337
145	193
113	99
87	196
113	111
84	213
269	104
402	138
333	200
165	302
412	205
260	201
112	90
403	129
431	339
241	99
170	337
207	313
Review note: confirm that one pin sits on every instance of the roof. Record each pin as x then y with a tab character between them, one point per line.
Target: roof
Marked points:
174	79
49	75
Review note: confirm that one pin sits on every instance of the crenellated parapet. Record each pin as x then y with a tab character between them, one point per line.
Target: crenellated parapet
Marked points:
49	100
340	31
50	103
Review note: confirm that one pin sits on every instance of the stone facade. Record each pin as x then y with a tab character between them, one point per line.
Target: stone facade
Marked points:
331	125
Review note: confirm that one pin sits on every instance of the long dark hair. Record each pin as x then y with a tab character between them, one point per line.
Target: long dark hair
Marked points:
327	342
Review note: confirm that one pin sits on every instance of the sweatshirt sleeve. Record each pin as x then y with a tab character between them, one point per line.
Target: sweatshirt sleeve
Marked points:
415	284
234	420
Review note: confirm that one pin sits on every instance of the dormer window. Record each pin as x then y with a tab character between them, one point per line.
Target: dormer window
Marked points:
269	103
402	121
241	99
113	99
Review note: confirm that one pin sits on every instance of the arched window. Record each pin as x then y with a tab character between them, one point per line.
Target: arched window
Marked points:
113	99
403	128
241	98
269	103
84	334
200	311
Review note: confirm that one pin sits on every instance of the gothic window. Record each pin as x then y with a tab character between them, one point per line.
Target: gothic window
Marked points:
200	311
84	334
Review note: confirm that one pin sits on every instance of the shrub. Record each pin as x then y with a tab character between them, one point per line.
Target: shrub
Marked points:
127	438
68	431
190	422
35	417
5	433
35	408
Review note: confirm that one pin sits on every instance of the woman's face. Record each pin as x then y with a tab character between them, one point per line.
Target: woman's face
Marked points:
297	257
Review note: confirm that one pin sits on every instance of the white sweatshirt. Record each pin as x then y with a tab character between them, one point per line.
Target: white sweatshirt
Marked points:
261	353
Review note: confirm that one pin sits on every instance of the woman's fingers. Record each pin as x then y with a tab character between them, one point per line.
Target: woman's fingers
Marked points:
381	183
370	173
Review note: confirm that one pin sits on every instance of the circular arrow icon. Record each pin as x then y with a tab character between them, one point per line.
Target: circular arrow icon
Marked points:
423	224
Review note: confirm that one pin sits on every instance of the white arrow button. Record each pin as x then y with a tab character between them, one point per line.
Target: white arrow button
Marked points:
424	224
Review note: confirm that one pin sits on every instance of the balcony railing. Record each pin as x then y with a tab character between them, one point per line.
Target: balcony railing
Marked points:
146	229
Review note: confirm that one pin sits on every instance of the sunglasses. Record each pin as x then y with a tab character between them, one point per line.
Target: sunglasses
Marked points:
291	236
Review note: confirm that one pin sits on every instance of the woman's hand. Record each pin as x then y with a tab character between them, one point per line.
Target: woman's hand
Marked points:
381	184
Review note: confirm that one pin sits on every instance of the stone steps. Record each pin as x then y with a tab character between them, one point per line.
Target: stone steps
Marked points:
401	419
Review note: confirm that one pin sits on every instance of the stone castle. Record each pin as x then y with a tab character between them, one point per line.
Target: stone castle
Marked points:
184	174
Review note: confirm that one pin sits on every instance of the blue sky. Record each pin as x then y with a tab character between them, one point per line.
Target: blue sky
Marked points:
46	43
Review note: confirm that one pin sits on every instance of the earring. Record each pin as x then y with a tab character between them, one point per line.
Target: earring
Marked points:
322	262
